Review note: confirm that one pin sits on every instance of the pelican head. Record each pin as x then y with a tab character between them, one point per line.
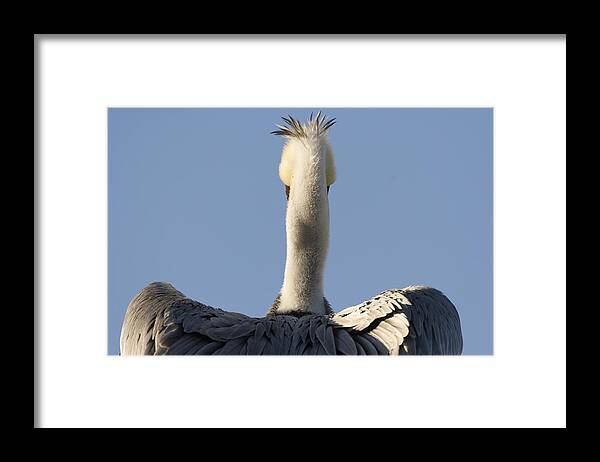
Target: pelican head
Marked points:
301	141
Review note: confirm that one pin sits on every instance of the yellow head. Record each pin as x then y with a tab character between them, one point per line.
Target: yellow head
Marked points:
296	133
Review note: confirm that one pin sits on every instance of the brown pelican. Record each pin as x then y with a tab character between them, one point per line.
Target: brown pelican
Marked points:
416	320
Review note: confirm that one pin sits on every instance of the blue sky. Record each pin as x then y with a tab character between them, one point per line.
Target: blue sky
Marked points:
195	199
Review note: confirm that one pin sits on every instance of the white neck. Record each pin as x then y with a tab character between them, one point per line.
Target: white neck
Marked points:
307	229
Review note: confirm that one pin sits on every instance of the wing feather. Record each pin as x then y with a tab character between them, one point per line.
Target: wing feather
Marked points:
367	346
344	342
414	320
232	347
209	348
360	350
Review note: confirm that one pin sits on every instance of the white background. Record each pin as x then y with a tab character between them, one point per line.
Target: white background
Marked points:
523	384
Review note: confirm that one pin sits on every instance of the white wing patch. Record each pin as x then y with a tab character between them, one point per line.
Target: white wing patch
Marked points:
381	318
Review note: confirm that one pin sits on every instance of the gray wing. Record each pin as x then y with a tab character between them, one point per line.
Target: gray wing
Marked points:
162	321
145	318
416	320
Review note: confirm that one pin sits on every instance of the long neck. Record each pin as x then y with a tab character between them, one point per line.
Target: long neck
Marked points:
307	229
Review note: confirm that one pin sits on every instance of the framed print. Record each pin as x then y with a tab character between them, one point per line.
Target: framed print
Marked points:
414	188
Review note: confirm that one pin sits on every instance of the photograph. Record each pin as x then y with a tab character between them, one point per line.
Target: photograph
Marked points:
291	231
248	217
